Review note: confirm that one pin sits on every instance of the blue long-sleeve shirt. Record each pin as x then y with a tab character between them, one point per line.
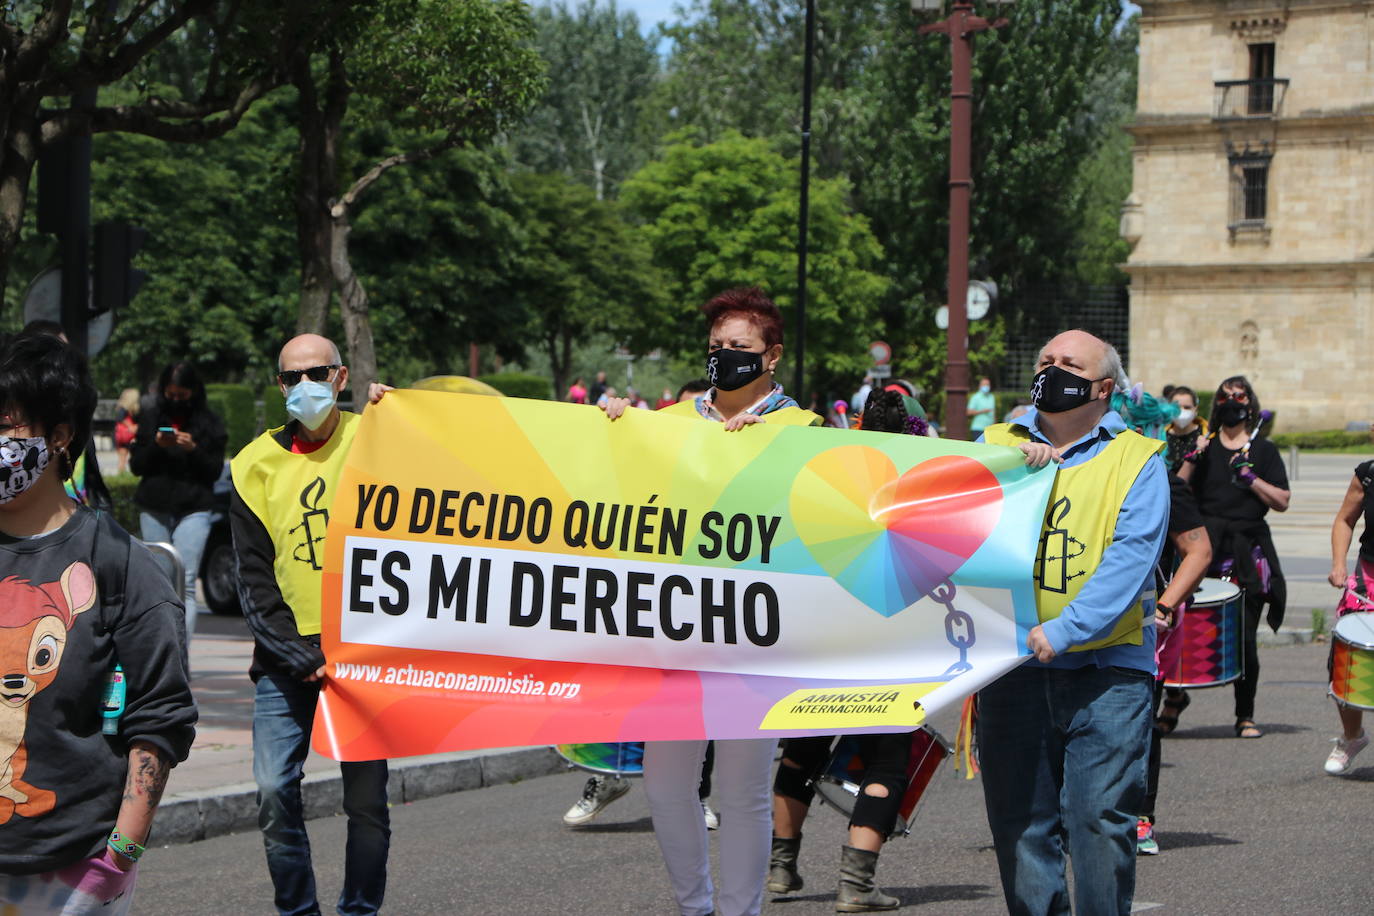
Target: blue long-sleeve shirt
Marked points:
1127	566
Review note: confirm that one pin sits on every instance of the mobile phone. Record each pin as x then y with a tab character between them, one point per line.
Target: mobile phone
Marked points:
166	429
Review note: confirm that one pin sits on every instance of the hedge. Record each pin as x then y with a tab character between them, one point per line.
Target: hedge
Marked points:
520	385
121	487
273	407
1331	438
236	407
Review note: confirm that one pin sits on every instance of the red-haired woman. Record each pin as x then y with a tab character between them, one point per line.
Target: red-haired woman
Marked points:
743	350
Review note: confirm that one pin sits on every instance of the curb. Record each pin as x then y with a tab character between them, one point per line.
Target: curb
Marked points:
1286	636
232	809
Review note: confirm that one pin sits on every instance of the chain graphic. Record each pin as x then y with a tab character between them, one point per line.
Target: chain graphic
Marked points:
958	626
1056	550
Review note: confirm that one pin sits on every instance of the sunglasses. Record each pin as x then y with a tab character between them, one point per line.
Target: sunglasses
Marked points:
292	377
1240	397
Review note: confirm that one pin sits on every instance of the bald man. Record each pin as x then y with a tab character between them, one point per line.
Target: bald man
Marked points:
284	483
1064	739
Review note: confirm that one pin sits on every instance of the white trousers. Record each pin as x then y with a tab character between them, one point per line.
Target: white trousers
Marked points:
742	788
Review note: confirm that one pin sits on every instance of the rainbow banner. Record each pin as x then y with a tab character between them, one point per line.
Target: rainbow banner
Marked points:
504	572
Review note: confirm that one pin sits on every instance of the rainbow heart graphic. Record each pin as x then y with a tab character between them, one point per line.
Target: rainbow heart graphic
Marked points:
890	538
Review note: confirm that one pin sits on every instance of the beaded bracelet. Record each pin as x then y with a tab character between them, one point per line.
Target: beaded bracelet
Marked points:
124	846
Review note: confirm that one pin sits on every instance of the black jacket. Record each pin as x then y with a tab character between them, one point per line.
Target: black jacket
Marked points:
175	481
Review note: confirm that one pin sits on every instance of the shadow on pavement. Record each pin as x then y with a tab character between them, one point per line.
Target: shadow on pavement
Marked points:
935	893
1208	732
1169	840
643	825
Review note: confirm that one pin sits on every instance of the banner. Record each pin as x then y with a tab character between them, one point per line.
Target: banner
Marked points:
502	571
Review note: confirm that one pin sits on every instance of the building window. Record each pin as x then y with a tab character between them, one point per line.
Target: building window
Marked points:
1261	95
1249	189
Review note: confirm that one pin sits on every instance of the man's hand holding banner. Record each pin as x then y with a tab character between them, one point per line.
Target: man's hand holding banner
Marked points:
505	572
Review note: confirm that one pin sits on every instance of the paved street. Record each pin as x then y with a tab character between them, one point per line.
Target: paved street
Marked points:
1252	826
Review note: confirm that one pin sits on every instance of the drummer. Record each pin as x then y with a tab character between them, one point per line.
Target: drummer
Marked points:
1189	545
1359	499
885	757
1237	479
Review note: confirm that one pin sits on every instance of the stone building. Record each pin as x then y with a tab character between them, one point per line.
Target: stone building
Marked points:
1251	217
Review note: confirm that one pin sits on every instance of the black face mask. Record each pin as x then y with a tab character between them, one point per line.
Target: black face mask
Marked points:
1231	413
1056	390
731	369
176	410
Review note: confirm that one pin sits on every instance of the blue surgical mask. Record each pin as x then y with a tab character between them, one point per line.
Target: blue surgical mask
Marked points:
984	389
311	402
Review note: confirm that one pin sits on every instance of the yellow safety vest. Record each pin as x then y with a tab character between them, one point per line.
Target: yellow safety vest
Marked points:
1080	522
788	416
291	495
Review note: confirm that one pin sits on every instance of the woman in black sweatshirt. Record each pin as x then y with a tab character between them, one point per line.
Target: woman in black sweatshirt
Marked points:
179	453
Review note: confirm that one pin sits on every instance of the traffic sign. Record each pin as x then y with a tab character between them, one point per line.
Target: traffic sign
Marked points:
881	352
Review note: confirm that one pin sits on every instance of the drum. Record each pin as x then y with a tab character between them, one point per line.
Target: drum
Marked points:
838	784
1204	649
609	758
1352	661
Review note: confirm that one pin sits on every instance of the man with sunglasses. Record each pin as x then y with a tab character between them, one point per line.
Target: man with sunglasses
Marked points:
284	483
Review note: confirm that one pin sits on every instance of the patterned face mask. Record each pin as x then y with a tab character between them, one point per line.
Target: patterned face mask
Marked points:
22	462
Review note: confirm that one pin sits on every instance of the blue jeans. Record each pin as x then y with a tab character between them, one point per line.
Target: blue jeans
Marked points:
187	533
283	712
1064	755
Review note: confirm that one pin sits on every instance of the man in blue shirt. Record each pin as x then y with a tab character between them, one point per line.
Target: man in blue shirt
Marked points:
1064	739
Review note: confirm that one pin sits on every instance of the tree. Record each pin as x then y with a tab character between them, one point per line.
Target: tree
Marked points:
587	125
724	214
54	52
582	270
443	73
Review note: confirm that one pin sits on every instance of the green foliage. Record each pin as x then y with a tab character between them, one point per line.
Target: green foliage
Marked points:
440	65
235	406
220	251
582	270
437	249
588	123
519	385
1333	439
723	215
273	407
122	487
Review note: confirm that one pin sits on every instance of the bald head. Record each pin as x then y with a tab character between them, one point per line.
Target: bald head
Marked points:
306	350
1082	354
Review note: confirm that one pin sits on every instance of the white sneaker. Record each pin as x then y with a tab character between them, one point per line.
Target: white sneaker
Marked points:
599	792
1339	762
712	818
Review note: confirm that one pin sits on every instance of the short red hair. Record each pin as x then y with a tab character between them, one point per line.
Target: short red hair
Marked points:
751	304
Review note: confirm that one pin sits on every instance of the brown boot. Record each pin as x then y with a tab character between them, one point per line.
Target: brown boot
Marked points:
782	866
858	893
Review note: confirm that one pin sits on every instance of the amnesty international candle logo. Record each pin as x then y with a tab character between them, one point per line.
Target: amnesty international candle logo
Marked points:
500	571
313	526
1057	548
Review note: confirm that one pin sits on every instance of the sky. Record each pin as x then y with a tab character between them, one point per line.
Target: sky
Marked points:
650	12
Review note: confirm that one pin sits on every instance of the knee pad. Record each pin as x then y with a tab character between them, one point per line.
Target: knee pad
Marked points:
876	813
791	782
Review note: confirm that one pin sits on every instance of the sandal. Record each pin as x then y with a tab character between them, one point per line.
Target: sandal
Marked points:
1172	708
1246	728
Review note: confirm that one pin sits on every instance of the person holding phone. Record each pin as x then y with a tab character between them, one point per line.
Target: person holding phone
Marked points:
179	453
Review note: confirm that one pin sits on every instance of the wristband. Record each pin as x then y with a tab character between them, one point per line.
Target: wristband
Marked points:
124	846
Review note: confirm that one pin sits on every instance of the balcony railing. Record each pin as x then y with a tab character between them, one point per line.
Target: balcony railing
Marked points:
1249	98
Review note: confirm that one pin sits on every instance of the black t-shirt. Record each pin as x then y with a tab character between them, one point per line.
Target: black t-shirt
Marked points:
1177	445
1218	496
1364	473
1183	511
